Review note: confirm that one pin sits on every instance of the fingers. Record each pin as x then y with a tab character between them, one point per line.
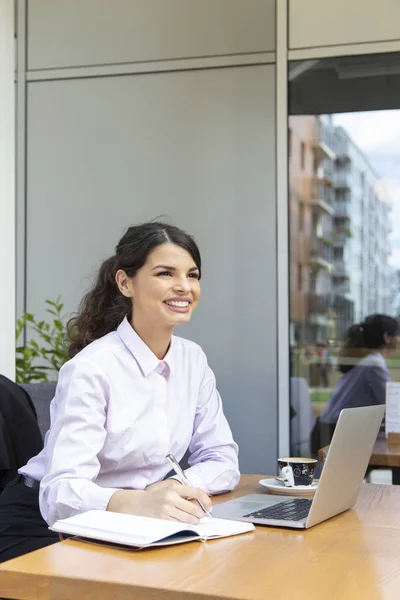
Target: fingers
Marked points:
189	508
186	491
183	517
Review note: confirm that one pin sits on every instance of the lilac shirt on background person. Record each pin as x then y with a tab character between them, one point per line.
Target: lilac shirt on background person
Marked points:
363	385
118	411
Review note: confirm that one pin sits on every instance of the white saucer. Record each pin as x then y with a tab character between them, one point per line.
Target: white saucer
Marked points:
276	487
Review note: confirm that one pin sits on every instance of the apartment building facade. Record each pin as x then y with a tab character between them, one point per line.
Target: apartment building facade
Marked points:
339	232
362	223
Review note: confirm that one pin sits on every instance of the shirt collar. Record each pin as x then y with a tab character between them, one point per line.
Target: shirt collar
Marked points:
145	358
375	359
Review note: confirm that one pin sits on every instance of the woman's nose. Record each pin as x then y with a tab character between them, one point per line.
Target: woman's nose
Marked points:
183	284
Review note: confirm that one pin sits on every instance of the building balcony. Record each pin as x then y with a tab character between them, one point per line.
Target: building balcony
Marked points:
317	304
342	210
328	170
342	152
342	288
343	180
324	141
323	197
340	269
341	236
320	310
321	254
343	195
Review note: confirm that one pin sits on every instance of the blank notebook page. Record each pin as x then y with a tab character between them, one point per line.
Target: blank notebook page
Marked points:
131	529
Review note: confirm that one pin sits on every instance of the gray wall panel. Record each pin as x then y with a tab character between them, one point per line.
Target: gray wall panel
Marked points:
68	33
198	146
314	23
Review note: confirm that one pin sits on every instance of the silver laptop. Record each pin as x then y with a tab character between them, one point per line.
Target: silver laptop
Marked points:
343	473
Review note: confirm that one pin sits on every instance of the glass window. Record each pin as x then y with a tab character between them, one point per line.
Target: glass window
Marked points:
344	181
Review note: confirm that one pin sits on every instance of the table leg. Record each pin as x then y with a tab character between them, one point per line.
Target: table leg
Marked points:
396	475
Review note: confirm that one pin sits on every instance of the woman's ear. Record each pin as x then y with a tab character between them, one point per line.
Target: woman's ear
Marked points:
124	283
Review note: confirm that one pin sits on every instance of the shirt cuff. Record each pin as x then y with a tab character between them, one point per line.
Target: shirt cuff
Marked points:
97	498
194	480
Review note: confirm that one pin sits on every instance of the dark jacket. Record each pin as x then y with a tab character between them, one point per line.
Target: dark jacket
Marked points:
20	437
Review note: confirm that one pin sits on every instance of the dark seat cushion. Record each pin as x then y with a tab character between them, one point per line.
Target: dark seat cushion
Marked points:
41	395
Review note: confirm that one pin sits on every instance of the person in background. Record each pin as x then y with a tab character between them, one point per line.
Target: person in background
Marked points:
323	363
130	394
363	364
306	361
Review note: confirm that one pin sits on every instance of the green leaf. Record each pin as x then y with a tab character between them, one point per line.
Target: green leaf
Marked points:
27	352
48	347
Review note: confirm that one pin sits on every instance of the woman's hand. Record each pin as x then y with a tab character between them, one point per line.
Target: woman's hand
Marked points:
163	500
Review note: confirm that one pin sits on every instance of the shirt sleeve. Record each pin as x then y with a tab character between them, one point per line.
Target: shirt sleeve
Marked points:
377	379
76	437
213	453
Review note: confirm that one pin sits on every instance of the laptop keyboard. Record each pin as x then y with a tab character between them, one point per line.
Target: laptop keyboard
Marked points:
289	510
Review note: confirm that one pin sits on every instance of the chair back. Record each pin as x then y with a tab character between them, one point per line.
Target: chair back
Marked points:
41	395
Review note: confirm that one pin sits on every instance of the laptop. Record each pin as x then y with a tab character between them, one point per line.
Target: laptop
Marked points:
343	473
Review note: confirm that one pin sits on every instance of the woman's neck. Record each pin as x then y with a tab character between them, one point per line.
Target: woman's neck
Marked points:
157	340
384	351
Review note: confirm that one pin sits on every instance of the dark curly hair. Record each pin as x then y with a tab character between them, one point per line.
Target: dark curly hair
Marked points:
104	307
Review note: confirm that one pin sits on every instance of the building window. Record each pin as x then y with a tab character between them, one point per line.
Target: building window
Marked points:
299	277
301	216
302	155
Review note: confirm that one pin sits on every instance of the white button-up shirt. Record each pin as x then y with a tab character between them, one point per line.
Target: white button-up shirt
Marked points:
118	411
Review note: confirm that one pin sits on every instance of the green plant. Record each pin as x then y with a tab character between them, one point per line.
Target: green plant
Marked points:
41	358
327	241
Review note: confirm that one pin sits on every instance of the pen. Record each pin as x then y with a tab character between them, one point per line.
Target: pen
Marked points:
183	479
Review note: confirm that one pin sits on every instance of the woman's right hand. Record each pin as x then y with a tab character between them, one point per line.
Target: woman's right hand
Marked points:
164	500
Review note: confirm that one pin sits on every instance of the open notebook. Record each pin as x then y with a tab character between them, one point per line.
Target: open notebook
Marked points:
143	532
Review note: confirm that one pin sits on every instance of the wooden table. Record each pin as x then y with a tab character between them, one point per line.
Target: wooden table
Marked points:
353	556
384	455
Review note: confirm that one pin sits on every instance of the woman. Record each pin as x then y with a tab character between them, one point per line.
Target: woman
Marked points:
363	364
131	394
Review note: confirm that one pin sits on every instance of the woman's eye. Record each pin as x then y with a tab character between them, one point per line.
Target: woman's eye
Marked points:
194	275
163	273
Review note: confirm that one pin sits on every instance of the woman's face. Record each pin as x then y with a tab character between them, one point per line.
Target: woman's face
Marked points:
391	343
165	291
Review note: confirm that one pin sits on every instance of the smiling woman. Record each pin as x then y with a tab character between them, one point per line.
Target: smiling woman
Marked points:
150	259
131	394
164	293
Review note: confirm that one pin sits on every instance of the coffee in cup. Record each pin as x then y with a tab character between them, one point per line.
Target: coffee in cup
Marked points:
297	471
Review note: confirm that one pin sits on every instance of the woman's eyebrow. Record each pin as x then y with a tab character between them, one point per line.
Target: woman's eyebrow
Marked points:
164	267
173	268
